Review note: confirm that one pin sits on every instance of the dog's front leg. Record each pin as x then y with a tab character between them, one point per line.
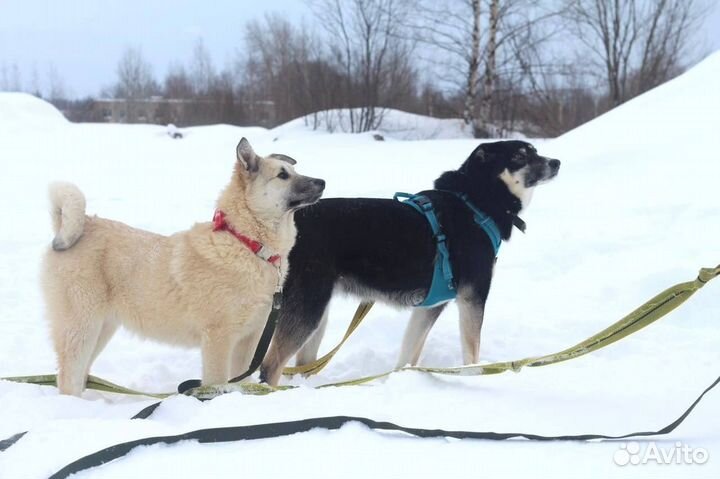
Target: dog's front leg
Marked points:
217	347
472	312
244	349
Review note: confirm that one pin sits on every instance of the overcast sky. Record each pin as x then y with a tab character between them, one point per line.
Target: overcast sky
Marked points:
84	39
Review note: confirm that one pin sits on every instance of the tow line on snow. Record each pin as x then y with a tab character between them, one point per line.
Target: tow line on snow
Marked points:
644	315
278	429
641	317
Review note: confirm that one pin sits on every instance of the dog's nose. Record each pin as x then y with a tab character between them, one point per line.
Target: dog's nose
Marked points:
554	164
319	183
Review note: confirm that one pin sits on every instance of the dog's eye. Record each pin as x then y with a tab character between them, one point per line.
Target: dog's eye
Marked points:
519	159
283	175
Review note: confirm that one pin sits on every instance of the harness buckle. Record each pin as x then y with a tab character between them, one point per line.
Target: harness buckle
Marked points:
423	202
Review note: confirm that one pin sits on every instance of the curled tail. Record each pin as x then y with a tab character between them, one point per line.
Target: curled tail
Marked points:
67	208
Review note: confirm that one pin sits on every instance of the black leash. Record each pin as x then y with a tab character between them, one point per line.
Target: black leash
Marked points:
255	363
185	386
260	350
6	443
278	429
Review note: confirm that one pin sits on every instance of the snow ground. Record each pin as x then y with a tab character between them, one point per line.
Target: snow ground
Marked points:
396	124
634	210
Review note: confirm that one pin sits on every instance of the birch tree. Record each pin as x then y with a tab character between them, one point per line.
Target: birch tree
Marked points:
467	38
490	70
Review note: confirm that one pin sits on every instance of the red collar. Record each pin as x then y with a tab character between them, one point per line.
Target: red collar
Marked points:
220	224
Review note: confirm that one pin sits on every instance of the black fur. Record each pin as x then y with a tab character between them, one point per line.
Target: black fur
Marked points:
383	249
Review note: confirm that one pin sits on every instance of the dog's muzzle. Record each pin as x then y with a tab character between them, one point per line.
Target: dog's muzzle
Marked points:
307	191
553	167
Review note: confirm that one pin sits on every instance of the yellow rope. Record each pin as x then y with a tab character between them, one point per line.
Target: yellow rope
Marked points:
643	316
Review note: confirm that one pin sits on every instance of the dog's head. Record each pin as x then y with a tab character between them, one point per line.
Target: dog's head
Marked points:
272	186
515	163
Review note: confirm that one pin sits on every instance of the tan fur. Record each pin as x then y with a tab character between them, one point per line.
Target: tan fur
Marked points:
68	221
194	288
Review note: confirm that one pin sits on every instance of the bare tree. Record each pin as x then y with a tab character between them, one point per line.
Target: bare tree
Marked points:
370	52
287	64
135	79
10	78
177	83
637	43
665	42
202	72
554	95
288	68
4	78
451	31
56	85
34	86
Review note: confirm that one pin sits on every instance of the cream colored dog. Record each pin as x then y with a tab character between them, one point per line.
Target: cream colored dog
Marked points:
210	286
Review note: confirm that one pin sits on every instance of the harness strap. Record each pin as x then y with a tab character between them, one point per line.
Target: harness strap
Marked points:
424	206
439	292
257	359
485	221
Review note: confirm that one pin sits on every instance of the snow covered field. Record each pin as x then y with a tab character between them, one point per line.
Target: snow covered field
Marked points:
396	124
635	209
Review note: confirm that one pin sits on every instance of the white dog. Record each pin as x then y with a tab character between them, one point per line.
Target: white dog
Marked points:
210	286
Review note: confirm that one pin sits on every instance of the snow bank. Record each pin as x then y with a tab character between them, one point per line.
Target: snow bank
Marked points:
634	210
396	124
21	110
683	110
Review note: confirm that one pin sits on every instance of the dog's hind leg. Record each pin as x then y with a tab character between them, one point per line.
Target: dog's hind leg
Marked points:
75	337
421	321
109	327
308	353
300	317
472	312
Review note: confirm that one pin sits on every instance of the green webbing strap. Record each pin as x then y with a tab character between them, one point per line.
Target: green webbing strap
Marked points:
93	382
260	349
646	314
316	366
641	317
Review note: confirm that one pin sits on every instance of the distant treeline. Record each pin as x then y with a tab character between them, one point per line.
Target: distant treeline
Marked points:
513	65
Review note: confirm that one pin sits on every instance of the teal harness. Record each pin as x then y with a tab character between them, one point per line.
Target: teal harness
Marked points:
442	287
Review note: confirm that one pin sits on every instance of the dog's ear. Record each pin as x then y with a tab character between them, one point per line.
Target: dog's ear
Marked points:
246	156
479	152
284	158
477	157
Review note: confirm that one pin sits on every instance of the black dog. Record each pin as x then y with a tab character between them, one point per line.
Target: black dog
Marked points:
384	250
